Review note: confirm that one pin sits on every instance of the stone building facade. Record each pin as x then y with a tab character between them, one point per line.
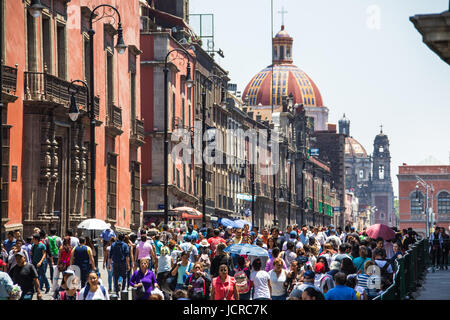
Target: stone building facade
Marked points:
49	164
412	203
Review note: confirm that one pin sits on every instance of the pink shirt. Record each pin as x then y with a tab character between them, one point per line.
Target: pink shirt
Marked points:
145	249
224	289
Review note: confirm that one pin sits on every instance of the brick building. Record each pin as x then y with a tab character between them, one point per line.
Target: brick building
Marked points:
412	205
46	174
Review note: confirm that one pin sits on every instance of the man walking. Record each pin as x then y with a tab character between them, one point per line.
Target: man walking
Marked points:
82	257
38	258
52	243
25	275
119	255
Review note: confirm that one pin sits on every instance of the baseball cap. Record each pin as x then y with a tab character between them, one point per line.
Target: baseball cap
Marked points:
331	226
319	268
309	274
187	238
20	253
229	227
69	271
293	234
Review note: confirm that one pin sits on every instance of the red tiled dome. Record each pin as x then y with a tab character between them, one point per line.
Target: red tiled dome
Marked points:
287	78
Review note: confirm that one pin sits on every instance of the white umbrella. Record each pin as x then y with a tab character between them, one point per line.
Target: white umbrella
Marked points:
93	224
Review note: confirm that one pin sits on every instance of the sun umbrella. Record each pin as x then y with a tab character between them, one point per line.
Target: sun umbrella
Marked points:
240	223
228	223
380	231
247	249
93	224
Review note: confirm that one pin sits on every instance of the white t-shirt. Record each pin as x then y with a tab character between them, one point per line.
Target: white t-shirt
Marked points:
97	295
260	281
277	283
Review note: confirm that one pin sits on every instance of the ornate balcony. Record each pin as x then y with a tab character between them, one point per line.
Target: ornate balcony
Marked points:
9	84
45	89
137	133
114	121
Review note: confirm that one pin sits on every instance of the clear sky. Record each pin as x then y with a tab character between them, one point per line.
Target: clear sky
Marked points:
366	57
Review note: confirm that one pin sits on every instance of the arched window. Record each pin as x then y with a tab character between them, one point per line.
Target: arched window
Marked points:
417	203
444	202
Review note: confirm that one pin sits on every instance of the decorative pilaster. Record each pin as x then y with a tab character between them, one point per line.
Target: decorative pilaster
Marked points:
46	162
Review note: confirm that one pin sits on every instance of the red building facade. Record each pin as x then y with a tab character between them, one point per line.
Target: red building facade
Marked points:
47	171
412	203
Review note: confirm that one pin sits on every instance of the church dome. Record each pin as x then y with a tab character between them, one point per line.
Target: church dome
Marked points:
354	149
282	33
287	79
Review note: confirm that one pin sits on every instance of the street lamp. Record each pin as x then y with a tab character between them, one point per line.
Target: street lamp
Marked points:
189	83
35	8
121	47
429	189
223	103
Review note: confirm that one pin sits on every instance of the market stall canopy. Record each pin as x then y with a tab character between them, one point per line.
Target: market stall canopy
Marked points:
188	213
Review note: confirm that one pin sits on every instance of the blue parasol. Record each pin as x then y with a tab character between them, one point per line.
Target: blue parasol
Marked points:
227	223
247	249
240	223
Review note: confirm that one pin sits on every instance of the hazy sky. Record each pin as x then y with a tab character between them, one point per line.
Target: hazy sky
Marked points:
366	58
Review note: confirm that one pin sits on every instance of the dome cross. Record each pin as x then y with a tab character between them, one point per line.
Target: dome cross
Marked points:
282	12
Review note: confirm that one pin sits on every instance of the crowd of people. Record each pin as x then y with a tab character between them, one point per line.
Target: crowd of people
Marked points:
298	263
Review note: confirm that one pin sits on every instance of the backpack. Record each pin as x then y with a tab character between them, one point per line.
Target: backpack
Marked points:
62	295
87	288
117	252
242	282
53	247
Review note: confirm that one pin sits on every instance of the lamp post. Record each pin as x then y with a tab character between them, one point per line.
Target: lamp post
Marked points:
121	47
189	83
223	103
429	189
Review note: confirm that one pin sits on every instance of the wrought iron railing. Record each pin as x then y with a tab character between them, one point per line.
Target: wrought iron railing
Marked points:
41	86
409	270
114	118
9	81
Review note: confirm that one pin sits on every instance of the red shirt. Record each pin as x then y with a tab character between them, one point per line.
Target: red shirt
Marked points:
224	290
213	242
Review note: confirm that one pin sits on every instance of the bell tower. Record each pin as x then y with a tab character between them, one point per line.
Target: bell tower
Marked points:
381	184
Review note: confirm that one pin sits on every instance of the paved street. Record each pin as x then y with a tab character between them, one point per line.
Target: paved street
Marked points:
436	286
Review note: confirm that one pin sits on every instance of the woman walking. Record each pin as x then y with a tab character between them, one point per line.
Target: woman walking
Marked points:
262	290
224	286
143	281
278	277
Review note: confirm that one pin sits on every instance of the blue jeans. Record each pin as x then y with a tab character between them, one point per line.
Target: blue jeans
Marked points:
42	276
283	297
110	279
